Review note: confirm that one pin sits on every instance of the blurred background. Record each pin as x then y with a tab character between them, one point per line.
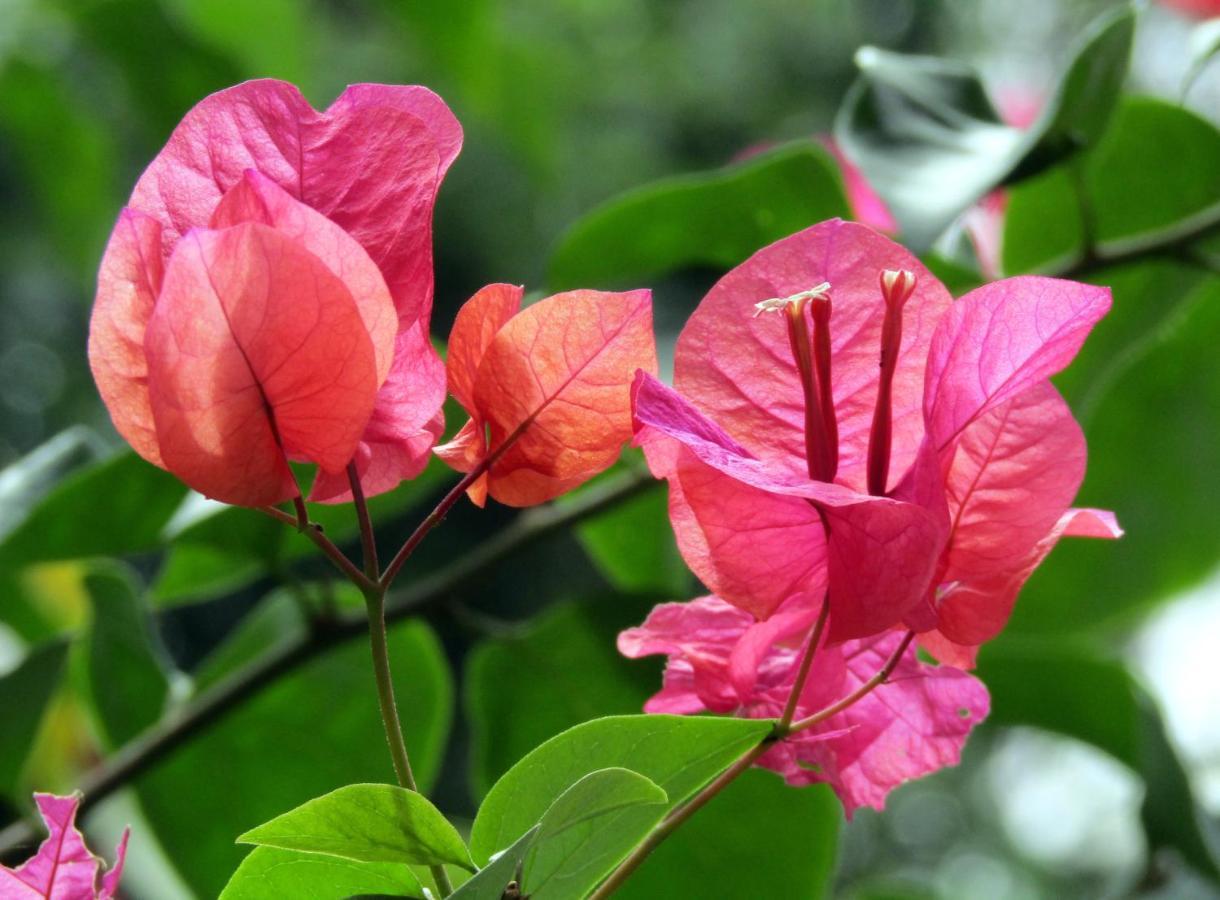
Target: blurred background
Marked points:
566	104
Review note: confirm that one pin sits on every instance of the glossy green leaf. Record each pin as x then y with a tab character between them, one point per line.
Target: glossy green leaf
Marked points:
24	694
678	753
758	838
715	219
312	730
367	823
112	508
929	141
564	669
127	679
1147	391
269	873
1065	687
1151	178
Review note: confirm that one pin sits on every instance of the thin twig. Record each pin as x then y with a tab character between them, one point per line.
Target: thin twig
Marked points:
859	693
368	540
325	544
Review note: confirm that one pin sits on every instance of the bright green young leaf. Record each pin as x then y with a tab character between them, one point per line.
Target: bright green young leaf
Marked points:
1064	687
930	142
678	753
564	670
269	873
112	508
1152	177
127	680
24	694
757	838
1150	453
367	823
310	732
715	218
577	822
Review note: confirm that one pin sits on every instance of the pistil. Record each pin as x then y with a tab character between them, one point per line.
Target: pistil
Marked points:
896	288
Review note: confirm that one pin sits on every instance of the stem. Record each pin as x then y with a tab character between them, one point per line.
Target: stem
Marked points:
375	606
859	693
367	541
802	674
325	544
431	521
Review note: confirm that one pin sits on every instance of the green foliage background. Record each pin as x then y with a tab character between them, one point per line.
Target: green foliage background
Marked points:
600	147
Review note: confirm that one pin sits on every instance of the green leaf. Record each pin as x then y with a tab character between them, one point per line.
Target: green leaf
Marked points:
127	681
1064	687
678	753
489	882
1204	46
575	823
312	730
367	823
24	483
274	622
758	838
24	695
930	142
269	874
564	669
1151	177
633	545
112	508
713	218
1148	446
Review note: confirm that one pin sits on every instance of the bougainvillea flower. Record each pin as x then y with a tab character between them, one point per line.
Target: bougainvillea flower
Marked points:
941	476
63	868
284	257
547	388
862	752
866	204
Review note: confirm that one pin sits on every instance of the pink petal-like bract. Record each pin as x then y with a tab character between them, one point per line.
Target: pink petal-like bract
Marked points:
911	726
355	187
257	354
63	868
551	386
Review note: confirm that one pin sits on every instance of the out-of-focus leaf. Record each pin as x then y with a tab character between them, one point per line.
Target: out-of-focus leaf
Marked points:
633	545
367	823
115	507
578	820
268	873
271	37
930	142
1065	687
1147	391
716	219
24	694
678	753
24	483
758	838
309	732
1204	46
276	620
127	682
564	670
1151	177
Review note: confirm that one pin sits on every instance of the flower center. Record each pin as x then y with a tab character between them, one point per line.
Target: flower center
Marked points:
810	343
896	288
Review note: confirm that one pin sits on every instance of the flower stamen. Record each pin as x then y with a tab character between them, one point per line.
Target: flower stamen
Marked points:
896	288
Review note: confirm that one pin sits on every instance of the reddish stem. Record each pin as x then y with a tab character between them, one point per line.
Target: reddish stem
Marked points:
323	543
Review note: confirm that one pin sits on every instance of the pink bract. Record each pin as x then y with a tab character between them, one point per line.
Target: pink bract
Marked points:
63	868
352	189
985	457
721	660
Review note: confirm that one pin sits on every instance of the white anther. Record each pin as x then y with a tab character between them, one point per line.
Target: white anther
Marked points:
778	304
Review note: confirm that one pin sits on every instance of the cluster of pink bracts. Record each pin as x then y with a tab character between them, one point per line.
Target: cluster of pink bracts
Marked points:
845	444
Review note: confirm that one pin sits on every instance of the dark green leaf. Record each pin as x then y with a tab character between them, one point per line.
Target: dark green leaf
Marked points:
564	670
115	507
367	823
269	873
716	219
127	681
311	731
758	838
678	753
633	545
1064	687
24	694
930	142
24	483
1151	177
